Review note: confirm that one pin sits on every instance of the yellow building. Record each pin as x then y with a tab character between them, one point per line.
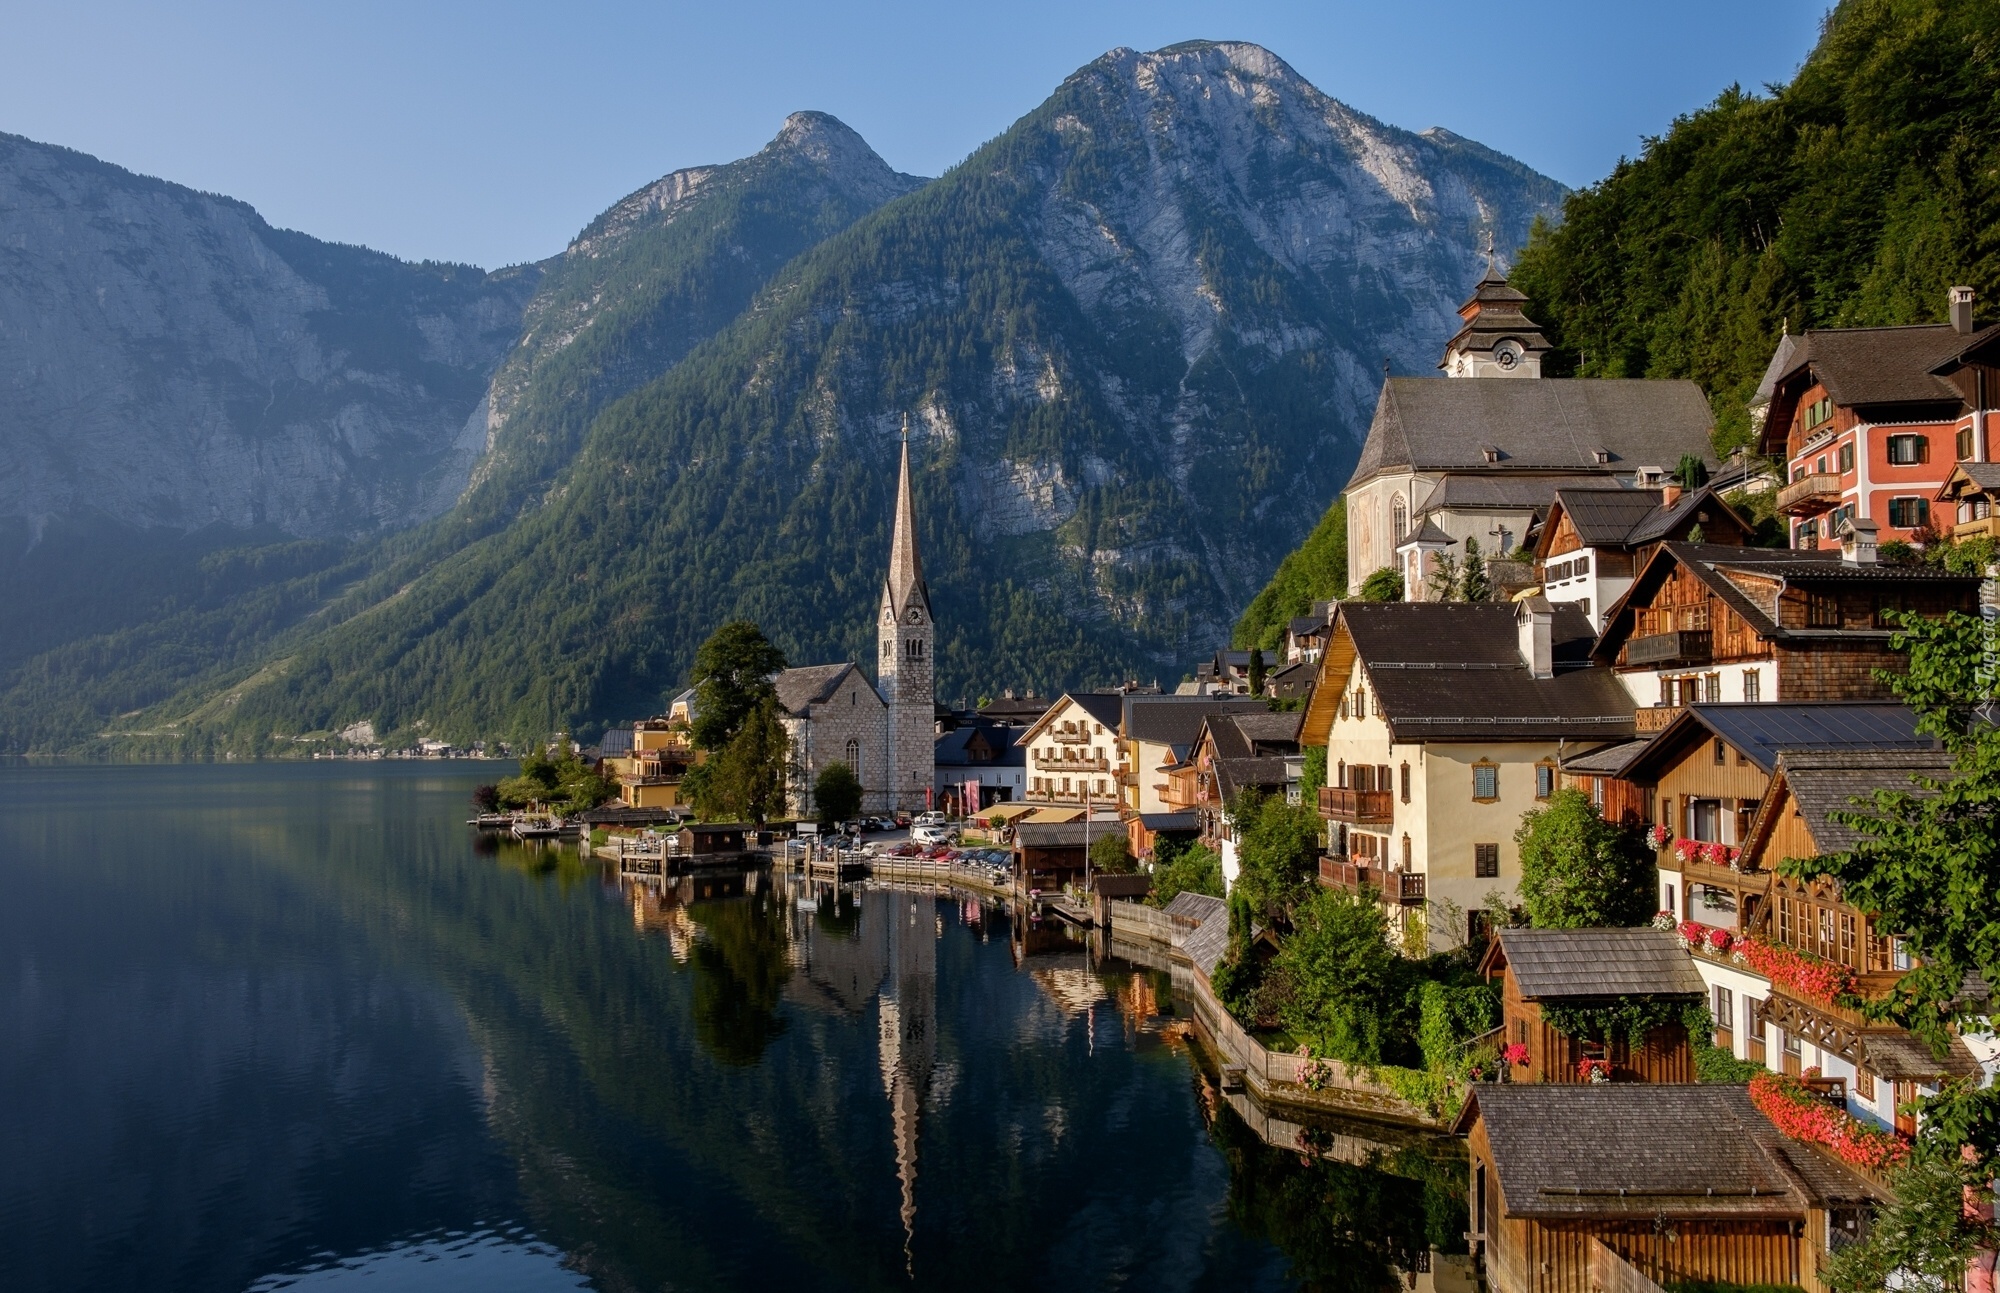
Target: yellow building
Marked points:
650	777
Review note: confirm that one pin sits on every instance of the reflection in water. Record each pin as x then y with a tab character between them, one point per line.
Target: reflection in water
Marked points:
314	1020
480	1262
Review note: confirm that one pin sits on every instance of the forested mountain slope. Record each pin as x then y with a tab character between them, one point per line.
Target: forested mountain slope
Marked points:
1136	338
1855	194
657	273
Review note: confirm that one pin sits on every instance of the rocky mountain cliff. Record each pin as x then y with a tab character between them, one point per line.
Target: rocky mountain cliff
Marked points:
1136	338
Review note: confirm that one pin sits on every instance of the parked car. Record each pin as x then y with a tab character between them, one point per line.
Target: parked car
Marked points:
932	818
932	833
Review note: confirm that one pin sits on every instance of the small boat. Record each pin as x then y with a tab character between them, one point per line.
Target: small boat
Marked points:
490	821
542	828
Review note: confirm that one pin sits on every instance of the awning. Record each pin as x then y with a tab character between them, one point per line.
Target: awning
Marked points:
1003	812
1054	815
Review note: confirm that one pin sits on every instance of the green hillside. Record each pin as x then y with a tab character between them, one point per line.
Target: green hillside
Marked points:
1855	194
1114	441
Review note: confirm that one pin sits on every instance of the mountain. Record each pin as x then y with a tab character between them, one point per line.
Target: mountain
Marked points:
1136	338
1855	194
132	608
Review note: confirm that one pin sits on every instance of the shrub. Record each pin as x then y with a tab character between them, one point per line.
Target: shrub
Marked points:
1579	871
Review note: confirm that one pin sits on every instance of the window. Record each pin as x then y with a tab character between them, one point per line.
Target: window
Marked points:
1847	456
1399	518
854	758
1864	1084
1724	1009
1406	783
1909	450
1753	685
1670	908
1486	861
1909	513
1545	780
1485	782
1721	751
1822	612
1711	688
1597	793
1964	452
1819	465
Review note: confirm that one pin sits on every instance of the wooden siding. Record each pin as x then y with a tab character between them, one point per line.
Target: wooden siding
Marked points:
1683	602
1837	671
1552	1057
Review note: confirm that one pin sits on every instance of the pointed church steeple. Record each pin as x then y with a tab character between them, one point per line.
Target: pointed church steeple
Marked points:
905	584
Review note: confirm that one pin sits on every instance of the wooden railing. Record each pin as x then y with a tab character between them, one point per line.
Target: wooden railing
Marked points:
1654	718
1813	492
1356	806
1045	764
1679	645
1337	872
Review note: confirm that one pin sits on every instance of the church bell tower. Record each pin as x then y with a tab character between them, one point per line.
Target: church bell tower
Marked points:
903	667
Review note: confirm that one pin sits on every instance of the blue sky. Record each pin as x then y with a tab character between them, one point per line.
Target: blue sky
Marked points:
492	132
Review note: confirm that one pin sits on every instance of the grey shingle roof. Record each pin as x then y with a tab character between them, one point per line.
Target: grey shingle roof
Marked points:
1433	424
1234	776
1527	493
1826	781
1176	720
1102	706
1605	761
1208	942
1986	475
1453	671
1061	835
1170	821
1761	732
811	684
1861	366
1898	1056
1626	1148
1007	753
1556	963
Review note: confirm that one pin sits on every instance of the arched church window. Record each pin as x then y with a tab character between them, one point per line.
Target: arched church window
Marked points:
854	758
1399	518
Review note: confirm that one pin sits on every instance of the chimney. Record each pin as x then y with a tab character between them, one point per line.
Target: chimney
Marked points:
1534	626
1961	309
1857	542
1670	493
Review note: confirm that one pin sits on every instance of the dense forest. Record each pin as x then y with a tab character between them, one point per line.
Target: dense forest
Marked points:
1854	195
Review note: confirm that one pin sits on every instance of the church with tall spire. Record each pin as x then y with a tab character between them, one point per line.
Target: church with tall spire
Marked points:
884	731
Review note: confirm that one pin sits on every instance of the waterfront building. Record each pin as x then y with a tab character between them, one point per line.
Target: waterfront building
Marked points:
1634	1185
1870	421
979	765
1442	724
1073	751
1480	454
1156	733
1542	969
883	731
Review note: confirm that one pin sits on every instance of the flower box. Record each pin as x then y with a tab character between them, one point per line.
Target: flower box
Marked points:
1800	1114
1802	975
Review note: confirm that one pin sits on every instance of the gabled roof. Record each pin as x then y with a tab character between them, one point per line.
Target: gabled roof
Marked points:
1605	517
1761	732
1238	735
798	689
1452	671
1863	366
1605	760
1498	493
1234	776
1981	476
1293	680
1823	782
1555	964
1062	835
1761	574
951	747
1550	424
1305	626
1102	706
1176	720
1626	1149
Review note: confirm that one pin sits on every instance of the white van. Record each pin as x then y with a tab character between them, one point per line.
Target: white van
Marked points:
932	833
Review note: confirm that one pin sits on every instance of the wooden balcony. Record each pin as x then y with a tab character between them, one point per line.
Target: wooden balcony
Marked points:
1357	807
1812	493
1679	646
1405	888
1043	763
1984	527
1654	718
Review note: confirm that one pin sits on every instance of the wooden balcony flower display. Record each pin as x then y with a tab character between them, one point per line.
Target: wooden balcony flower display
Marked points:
1514	1054
1801	975
1705	938
1707	851
1795	1110
1593	1070
1659	835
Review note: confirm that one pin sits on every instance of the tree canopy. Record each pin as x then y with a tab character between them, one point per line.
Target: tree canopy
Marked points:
1580	871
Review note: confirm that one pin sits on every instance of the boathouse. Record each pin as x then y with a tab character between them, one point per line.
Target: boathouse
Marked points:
1577	973
1582	1188
714	840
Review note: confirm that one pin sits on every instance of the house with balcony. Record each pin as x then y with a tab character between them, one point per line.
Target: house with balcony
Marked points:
1787	961
1966	501
1235	753
1595	538
657	754
1870	421
1073	753
1442	724
1710	623
1632	1186
1305	635
1479	453
1157	733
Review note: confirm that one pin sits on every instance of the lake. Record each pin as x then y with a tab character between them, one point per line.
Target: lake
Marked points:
297	1026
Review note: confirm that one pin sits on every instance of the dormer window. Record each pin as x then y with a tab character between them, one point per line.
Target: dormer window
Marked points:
1601	457
1490	452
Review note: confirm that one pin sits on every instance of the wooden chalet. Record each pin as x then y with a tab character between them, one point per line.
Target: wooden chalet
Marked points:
1597	537
1576	1190
1880	1068
1967	501
1711	623
1048	855
1537	968
716	840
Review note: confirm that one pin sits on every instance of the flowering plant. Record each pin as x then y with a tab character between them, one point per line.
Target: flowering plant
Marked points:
1720	939
1591	1070
1514	1053
1718	855
1312	1073
1659	835
1794	1110
1687	850
1692	932
1807	976
1663	920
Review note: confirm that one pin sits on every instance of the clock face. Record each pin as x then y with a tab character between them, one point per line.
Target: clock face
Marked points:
1507	354
916	616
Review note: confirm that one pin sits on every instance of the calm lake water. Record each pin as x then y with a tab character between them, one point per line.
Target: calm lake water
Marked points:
294	1026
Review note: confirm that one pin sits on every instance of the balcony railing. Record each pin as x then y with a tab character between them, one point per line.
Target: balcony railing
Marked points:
1654	718
1356	807
1680	646
1979	528
1045	764
1816	491
1405	887
1336	872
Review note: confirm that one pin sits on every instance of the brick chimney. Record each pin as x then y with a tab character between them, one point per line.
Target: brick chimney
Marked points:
1670	493
1961	309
